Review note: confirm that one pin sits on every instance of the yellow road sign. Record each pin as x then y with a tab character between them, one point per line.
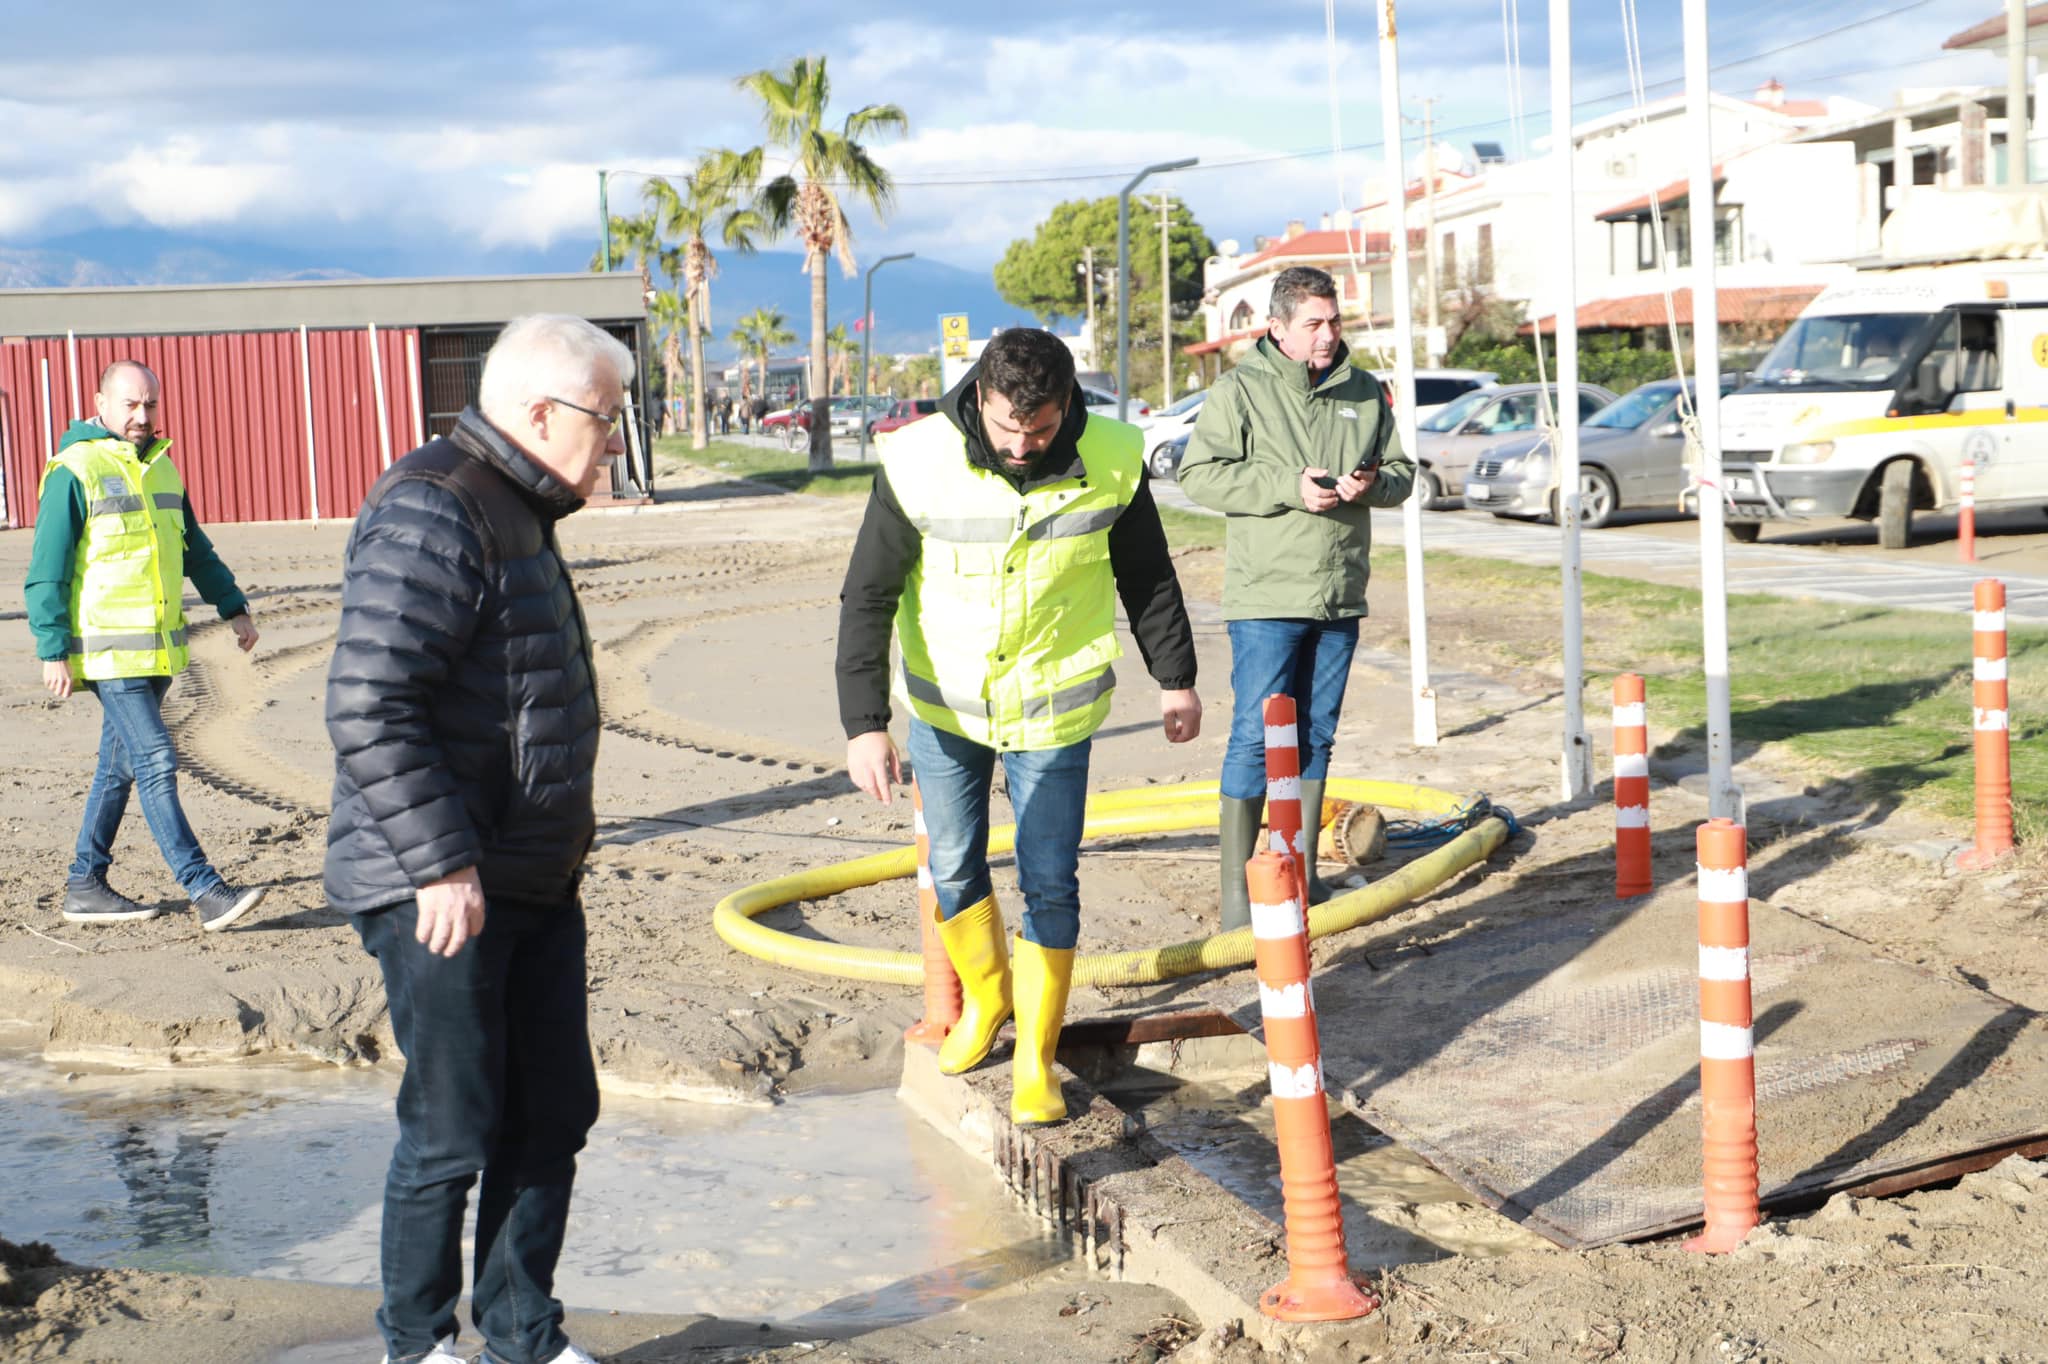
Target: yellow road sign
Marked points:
953	335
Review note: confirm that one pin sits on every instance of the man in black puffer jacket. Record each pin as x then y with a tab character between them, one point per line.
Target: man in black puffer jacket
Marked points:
462	703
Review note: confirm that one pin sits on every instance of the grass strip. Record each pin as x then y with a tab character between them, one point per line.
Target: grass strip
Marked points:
775	466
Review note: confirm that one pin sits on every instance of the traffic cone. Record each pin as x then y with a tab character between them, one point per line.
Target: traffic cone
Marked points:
1993	733
1319	1286
1727	1040
941	982
1631	789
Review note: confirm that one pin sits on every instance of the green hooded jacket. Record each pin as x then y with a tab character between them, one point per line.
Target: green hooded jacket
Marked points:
1262	424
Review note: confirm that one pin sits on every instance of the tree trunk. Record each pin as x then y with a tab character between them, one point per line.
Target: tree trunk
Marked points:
821	380
700	430
672	374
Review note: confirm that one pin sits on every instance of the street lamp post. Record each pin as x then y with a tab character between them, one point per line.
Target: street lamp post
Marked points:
867	342
604	218
1123	280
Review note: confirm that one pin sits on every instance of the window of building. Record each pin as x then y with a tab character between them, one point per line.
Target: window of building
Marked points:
1240	316
1486	253
1447	257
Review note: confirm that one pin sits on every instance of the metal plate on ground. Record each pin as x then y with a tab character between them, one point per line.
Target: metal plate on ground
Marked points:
1551	1065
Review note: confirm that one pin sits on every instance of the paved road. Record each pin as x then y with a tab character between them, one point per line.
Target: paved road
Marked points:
1667	551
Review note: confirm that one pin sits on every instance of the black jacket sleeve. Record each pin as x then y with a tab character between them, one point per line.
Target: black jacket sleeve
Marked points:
1150	590
411	594
884	553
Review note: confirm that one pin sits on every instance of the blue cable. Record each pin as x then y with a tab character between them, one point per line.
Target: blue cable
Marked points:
1430	833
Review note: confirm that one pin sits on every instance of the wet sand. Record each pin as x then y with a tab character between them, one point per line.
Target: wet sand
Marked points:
720	766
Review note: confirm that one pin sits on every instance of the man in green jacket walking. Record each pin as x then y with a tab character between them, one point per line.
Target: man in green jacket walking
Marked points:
1293	446
115	541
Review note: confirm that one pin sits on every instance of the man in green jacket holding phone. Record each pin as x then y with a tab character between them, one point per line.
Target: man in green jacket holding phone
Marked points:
1293	446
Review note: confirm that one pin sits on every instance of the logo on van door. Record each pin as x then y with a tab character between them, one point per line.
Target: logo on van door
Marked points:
1982	447
2041	351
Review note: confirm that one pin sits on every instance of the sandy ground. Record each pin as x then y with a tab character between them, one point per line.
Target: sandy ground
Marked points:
721	767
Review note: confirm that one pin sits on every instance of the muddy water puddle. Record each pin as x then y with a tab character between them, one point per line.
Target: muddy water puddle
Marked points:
1397	1208
827	1210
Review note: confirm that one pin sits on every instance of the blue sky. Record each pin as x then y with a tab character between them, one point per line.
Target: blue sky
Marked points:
371	121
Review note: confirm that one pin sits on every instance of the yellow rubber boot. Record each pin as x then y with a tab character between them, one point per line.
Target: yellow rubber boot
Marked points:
1043	975
974	944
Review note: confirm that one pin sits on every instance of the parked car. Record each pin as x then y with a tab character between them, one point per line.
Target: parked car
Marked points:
790	423
1162	426
1103	402
903	412
848	415
1453	438
1164	462
1436	389
1631	454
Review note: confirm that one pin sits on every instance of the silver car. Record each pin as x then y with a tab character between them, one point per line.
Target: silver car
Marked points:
1452	439
1631	454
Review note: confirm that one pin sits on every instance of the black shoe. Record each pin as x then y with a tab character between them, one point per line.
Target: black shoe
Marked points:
224	904
93	901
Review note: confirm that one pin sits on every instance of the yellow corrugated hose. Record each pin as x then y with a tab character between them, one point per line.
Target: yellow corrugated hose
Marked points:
1137	810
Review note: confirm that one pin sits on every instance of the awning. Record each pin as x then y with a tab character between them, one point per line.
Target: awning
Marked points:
1765	303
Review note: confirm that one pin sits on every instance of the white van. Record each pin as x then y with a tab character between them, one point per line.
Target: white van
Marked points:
1886	386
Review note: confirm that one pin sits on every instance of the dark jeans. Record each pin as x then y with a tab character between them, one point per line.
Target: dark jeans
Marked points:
136	752
1309	660
1047	790
498	1080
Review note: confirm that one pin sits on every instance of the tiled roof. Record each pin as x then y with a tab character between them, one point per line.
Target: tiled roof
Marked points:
1670	194
1994	27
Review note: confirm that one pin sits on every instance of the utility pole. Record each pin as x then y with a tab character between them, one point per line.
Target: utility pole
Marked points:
604	218
1123	279
1165	206
1431	247
1094	337
2018	150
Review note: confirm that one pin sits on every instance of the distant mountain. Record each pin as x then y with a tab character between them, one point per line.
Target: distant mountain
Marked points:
909	295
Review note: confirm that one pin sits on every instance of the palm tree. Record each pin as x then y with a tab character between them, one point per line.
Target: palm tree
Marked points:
844	352
758	334
637	237
706	204
671	315
824	163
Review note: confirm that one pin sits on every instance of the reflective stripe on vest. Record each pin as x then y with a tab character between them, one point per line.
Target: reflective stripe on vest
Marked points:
1007	623
128	576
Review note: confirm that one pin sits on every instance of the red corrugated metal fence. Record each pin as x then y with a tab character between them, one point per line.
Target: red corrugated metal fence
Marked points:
235	407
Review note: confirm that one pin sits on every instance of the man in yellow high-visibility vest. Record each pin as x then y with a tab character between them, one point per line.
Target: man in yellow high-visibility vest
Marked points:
1001	532
115	541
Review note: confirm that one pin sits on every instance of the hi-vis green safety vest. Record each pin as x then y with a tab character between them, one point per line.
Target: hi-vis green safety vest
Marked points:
128	584
1008	622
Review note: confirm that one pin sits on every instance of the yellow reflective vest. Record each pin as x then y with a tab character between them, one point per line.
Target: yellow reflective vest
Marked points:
128	585
1007	624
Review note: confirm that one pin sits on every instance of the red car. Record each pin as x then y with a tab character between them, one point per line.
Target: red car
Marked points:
903	412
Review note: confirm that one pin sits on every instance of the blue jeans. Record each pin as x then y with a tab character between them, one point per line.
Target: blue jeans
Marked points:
498	1080
136	751
1047	790
1309	660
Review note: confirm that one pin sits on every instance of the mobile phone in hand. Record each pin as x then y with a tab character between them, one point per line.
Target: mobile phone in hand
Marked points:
1324	480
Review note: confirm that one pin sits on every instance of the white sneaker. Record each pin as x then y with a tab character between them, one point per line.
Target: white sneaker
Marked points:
569	1355
442	1353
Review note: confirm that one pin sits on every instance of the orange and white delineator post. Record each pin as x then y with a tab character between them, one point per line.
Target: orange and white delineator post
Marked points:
1319	1286
1283	789
941	982
1631	789
1727	1039
1992	723
1966	517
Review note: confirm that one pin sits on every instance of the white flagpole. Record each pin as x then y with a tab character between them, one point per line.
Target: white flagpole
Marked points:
1576	764
1723	796
1424	695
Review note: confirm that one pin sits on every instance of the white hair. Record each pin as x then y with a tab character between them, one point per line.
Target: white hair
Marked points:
542	353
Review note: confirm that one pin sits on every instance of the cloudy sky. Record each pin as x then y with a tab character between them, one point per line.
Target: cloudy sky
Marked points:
379	119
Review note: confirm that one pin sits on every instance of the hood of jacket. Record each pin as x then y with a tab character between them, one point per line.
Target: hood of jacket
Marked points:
551	498
83	429
1268	359
1061	459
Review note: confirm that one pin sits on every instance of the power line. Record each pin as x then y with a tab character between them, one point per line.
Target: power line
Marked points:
967	179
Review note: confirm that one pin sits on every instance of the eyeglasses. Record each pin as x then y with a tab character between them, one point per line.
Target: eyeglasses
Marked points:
611	420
